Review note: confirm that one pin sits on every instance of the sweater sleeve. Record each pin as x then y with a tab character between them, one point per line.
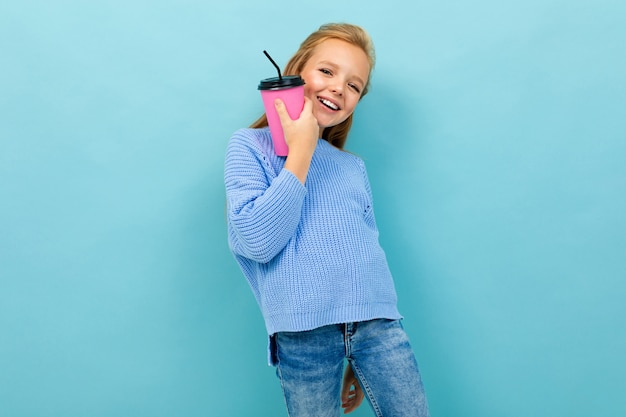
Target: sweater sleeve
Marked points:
263	206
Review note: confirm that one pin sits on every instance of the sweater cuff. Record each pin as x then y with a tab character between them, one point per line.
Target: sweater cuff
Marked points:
291	180
288	189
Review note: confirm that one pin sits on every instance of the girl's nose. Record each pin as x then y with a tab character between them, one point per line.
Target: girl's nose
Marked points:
337	89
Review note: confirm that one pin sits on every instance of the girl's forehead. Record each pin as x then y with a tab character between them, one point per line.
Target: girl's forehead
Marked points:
341	53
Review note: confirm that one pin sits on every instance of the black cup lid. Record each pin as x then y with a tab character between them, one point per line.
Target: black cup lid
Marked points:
277	83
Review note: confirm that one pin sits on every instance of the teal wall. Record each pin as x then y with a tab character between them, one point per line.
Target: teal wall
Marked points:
495	139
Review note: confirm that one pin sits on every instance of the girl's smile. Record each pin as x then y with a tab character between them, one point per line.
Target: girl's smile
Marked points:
335	76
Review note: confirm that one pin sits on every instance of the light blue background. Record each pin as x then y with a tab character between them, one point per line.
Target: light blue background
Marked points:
495	140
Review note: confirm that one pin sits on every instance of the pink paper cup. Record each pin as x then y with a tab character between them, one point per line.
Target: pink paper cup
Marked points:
290	89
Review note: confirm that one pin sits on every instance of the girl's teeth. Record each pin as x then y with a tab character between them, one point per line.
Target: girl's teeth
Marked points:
329	104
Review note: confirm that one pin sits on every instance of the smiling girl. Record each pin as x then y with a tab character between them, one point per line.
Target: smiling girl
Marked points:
303	231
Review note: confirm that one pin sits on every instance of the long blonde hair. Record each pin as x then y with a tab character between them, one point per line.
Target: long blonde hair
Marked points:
355	35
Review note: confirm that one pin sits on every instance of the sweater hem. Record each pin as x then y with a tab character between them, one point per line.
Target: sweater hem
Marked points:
300	322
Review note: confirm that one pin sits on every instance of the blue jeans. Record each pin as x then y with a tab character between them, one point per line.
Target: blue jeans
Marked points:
310	367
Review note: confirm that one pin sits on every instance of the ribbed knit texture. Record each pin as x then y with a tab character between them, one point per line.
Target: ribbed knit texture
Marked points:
310	253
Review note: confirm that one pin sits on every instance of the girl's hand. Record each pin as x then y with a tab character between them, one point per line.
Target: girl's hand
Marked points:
301	136
351	392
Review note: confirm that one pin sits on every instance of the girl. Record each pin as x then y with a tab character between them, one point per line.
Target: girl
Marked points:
302	229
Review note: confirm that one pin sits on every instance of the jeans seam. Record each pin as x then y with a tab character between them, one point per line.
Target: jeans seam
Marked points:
366	387
346	341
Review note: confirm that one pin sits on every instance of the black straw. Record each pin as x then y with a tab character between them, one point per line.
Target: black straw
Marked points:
280	77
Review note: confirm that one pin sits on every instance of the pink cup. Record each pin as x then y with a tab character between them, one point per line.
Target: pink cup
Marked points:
290	89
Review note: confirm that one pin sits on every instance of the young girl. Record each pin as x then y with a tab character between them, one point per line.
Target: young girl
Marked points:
302	229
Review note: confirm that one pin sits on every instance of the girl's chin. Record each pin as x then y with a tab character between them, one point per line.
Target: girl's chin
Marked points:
325	126
324	122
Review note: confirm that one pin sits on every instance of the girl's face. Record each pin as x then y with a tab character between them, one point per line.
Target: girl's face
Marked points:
335	76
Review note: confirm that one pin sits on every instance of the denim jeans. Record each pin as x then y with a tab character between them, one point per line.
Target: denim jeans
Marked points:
310	367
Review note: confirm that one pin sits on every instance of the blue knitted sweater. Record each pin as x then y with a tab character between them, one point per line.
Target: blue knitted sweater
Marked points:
310	253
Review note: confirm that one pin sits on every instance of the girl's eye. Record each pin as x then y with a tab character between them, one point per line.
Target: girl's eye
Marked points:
326	71
355	88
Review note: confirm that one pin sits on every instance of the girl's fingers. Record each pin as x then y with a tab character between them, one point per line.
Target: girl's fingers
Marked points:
281	110
307	105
